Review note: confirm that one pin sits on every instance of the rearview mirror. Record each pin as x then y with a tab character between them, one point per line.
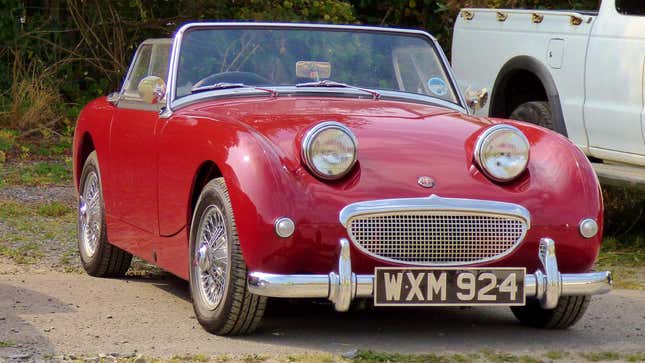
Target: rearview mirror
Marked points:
313	70
151	89
476	99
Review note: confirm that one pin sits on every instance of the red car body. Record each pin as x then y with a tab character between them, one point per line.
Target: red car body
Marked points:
152	169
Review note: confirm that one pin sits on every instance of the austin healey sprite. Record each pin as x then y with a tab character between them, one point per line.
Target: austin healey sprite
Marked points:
261	160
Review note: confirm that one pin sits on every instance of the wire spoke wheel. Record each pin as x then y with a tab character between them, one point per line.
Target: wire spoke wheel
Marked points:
90	215
211	257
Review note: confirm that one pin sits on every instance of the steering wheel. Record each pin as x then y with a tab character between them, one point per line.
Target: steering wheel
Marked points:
248	78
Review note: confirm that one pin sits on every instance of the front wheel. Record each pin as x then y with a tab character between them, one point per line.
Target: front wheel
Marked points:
568	311
222	303
538	113
98	257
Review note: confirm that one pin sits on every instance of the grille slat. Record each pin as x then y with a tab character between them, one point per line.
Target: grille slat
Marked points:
430	237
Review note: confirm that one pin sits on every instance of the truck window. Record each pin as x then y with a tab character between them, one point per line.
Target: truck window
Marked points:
630	7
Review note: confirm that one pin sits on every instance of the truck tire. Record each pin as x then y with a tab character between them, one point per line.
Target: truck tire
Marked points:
538	113
568	311
98	257
222	302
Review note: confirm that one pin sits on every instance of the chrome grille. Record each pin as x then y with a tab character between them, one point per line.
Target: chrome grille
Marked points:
436	237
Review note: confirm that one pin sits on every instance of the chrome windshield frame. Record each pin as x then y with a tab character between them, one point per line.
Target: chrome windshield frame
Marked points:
172	102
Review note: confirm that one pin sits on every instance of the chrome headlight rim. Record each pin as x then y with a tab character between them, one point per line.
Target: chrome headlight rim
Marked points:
484	137
310	136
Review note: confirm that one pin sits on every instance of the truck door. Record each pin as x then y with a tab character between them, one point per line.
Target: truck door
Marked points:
614	79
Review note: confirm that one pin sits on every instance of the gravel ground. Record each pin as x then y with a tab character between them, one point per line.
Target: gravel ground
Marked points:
55	313
33	235
45	313
23	194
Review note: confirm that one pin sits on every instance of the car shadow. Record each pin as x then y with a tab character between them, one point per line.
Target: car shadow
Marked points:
313	324
21	338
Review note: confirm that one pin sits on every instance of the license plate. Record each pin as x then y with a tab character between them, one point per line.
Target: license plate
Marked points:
448	286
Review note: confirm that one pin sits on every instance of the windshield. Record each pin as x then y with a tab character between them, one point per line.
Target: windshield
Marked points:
274	57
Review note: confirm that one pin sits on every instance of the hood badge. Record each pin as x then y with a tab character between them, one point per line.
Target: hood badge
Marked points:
426	182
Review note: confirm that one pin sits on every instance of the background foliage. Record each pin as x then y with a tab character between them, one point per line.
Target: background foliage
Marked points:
56	55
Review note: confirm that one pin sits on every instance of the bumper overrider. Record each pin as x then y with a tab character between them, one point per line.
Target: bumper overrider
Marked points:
546	285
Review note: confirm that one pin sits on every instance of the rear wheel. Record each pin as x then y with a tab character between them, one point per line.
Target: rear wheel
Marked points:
223	305
98	257
538	113
568	311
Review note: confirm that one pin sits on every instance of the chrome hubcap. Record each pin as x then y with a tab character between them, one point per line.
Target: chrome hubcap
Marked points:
210	262
90	215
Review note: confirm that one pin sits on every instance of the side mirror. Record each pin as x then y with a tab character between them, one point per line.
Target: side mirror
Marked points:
152	89
113	98
476	99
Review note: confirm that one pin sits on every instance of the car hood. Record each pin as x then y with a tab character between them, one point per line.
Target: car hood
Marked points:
390	134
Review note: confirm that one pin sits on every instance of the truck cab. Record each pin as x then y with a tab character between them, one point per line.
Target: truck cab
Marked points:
580	73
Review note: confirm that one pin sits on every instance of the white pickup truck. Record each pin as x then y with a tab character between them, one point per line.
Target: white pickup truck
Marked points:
581	73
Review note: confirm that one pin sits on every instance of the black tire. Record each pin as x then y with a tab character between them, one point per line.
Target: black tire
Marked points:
568	311
105	260
237	311
538	113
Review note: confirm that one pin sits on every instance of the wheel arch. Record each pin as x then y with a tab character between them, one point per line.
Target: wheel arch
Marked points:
207	171
85	148
524	79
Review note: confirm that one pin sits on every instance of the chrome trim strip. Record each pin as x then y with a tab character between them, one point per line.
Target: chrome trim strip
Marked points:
174	55
314	92
439	205
362	286
433	203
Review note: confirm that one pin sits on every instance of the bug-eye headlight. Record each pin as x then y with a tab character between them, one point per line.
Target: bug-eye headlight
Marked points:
329	150
502	152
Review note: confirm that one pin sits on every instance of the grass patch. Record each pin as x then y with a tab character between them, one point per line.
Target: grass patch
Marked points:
601	356
54	209
635	357
254	358
625	257
312	358
25	254
555	355
380	357
6	344
37	173
188	358
30	232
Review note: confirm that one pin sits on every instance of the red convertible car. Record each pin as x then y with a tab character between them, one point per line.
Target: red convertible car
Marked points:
315	161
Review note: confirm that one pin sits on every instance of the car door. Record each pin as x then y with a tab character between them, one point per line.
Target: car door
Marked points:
614	78
132	143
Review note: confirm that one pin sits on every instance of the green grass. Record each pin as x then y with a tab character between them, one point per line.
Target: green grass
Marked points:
29	230
625	257
601	356
8	139
555	355
6	344
25	254
37	173
53	209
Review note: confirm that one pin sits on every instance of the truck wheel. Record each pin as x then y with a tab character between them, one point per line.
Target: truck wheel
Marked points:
98	257
223	305
538	113
568	311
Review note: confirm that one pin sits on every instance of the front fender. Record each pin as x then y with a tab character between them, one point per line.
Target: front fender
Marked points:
260	187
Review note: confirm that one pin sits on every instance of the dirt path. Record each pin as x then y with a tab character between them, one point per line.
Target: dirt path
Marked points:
61	313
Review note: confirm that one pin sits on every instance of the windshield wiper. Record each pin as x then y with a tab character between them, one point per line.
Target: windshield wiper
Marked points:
226	85
333	84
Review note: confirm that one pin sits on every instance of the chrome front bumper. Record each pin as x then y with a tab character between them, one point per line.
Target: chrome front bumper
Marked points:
546	285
